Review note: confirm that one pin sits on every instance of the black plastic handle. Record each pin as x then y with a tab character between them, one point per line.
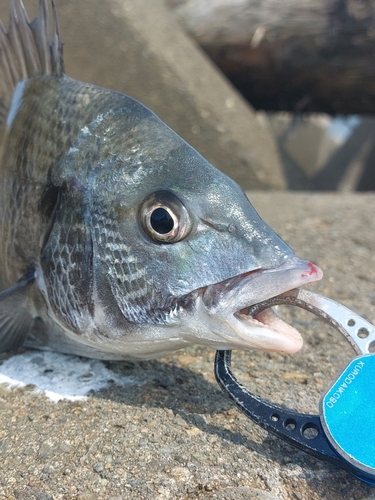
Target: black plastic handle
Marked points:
299	429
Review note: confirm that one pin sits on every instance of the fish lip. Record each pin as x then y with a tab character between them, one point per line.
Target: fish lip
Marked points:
228	302
227	295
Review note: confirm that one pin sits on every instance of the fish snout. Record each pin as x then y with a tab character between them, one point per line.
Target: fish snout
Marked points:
227	304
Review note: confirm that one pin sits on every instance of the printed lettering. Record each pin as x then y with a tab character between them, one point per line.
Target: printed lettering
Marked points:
344	385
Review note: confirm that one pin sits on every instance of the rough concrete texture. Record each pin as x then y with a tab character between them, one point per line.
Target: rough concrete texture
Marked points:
176	436
138	48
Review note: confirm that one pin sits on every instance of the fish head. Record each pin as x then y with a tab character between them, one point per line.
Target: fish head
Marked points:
178	251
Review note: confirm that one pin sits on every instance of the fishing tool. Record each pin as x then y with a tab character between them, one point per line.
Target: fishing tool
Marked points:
343	432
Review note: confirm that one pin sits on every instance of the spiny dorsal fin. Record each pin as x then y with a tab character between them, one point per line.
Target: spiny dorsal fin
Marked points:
27	50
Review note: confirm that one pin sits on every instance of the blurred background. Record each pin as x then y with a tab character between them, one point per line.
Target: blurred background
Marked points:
311	66
279	94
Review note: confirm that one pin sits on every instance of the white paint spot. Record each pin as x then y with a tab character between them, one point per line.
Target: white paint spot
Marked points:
16	103
59	376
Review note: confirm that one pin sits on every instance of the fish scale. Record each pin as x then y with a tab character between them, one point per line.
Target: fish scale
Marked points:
117	239
28	134
63	261
129	282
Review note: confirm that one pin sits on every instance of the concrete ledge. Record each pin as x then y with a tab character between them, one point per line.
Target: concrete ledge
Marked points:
174	434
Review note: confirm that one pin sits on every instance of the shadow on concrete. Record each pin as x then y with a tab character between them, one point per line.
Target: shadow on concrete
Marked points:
191	397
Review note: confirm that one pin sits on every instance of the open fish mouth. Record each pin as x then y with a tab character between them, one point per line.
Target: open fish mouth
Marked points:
269	332
229	303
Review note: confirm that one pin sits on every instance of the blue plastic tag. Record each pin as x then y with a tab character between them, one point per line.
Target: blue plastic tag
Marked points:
347	414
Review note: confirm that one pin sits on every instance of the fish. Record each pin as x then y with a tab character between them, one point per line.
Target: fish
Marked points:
117	239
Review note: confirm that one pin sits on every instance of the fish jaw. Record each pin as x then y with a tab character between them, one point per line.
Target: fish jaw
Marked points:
222	308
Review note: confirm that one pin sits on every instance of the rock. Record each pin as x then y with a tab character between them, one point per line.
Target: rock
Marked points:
241	494
98	467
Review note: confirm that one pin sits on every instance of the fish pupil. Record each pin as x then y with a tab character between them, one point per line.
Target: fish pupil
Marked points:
161	221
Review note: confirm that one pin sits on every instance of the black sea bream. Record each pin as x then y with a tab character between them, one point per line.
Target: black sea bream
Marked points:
117	239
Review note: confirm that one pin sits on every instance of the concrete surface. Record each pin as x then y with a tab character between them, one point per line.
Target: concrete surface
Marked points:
174	435
138	48
306	140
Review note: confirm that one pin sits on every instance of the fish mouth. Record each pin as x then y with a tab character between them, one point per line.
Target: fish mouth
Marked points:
229	302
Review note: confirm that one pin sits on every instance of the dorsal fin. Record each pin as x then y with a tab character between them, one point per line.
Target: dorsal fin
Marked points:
27	50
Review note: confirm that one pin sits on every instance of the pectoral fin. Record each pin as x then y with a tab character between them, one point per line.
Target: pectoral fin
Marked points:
16	319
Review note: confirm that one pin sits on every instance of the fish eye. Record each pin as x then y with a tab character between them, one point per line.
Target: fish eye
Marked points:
164	218
161	221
